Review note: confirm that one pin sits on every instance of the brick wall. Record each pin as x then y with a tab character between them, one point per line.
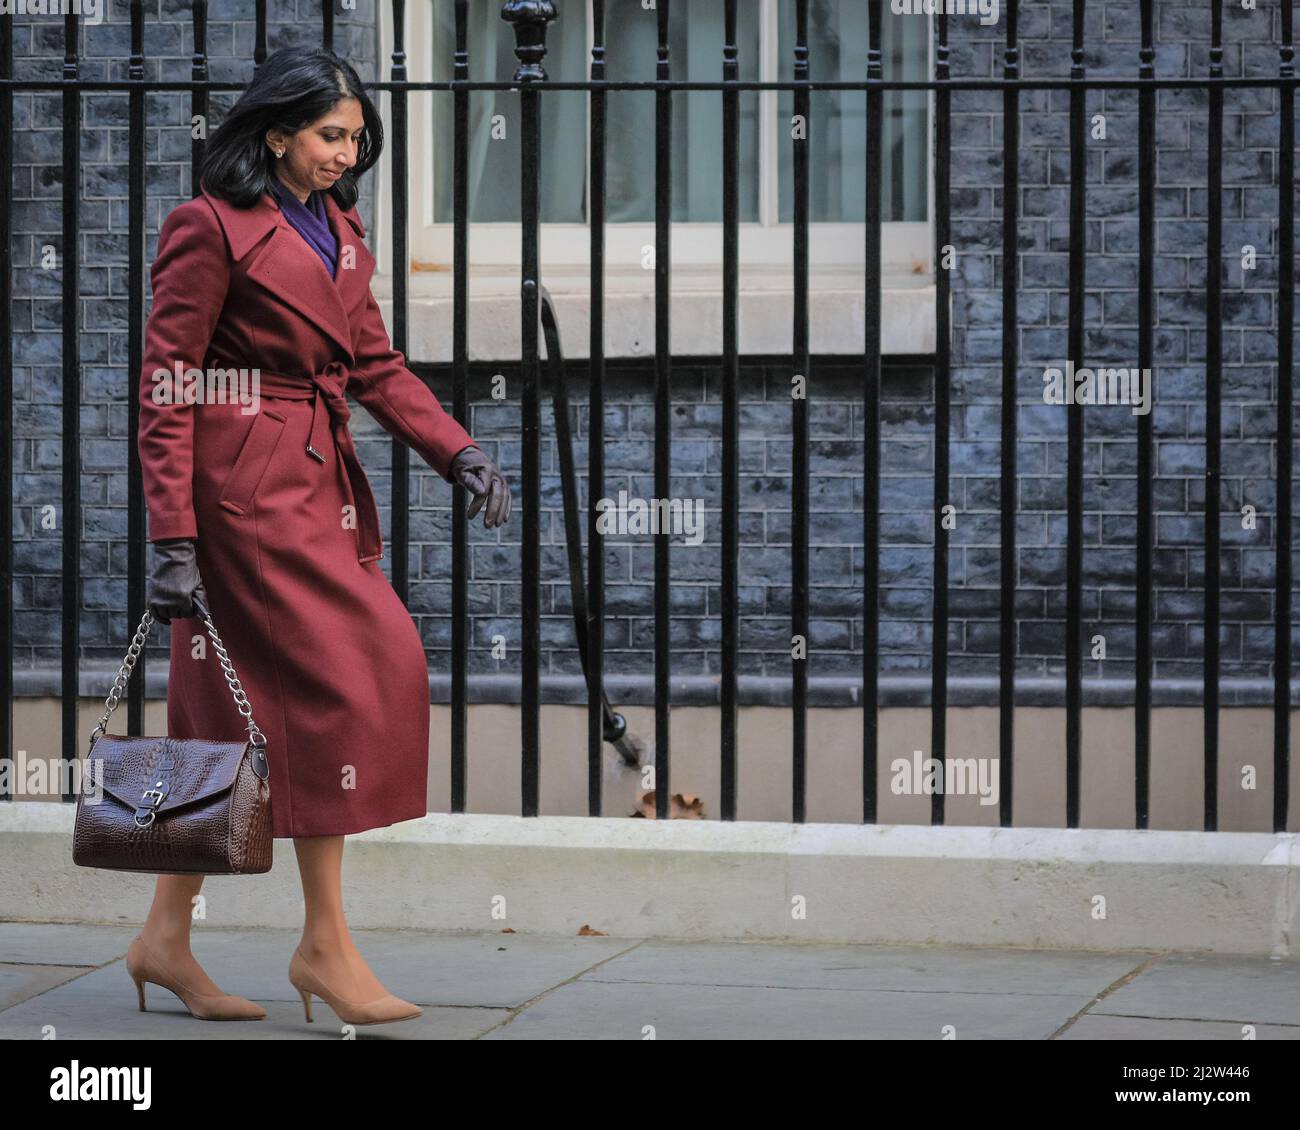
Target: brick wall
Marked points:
1112	37
836	417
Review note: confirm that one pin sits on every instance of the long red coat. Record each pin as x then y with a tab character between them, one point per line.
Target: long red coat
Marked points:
287	532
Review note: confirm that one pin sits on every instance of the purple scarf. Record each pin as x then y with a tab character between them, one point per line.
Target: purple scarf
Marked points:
310	221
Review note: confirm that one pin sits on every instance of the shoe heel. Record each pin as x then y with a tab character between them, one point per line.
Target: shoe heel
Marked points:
382	1010
143	966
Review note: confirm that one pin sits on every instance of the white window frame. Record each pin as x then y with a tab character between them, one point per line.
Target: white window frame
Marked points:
764	246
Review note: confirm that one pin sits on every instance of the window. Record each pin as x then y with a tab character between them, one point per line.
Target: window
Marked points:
765	36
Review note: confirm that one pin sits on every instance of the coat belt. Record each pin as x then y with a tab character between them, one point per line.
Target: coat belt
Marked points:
326	388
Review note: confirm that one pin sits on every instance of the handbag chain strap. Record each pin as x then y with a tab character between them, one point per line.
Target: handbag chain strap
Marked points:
255	736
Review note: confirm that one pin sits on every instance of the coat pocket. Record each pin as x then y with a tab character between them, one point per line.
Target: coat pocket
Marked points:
252	461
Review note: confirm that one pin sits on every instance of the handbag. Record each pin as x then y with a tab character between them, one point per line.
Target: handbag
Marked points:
174	805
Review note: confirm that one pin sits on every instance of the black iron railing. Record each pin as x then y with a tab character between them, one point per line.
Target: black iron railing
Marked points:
529	19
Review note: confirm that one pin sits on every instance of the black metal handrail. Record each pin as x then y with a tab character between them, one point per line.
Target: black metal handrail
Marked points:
614	725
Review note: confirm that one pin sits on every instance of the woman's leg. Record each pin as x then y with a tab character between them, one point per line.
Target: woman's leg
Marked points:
166	930
326	943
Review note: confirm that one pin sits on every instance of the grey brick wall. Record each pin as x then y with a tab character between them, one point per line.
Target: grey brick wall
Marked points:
835	488
1250	203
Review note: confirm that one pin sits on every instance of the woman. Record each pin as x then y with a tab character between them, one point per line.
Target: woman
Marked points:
261	508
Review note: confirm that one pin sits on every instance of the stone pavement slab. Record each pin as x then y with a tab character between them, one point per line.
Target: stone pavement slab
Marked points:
1094	1027
60	943
1245	990
70	981
604	1010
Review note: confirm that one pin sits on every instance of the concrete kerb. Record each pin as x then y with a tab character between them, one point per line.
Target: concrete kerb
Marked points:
1047	888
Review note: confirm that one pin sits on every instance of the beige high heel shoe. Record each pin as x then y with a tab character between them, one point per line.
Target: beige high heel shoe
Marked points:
144	964
381	1010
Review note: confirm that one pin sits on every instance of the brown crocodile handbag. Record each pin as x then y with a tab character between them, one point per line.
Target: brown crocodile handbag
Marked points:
174	805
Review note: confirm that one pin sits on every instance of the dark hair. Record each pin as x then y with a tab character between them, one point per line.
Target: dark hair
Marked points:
293	88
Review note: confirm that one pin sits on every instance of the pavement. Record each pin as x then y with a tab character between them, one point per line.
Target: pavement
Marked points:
70	982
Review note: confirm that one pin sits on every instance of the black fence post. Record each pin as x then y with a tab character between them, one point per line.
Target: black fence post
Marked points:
1282	661
71	265
663	409
6	392
529	19
596	422
135	518
199	94
1074	443
871	423
460	409
1213	419
400	512
1010	364
943	268
1145	425
729	769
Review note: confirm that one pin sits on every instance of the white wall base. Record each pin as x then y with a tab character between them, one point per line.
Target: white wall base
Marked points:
1226	892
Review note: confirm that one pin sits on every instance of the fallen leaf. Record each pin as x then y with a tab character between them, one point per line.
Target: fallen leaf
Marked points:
682	806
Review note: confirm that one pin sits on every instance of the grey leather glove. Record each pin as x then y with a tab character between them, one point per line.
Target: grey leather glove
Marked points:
478	474
175	581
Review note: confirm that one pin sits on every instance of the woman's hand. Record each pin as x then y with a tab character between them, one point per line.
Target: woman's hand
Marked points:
175	582
478	474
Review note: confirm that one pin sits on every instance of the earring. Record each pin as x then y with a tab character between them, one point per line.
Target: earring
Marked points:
279	152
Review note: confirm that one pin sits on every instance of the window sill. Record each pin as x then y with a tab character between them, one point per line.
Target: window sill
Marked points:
836	304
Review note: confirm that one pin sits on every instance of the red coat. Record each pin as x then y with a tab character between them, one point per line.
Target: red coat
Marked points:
287	534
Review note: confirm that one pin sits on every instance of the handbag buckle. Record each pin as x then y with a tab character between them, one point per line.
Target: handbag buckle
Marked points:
150	799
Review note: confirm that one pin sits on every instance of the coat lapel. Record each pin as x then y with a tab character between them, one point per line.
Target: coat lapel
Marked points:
356	264
292	271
